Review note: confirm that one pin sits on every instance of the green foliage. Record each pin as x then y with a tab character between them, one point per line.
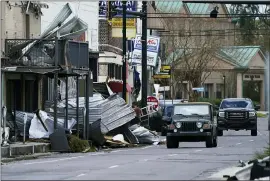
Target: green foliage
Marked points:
78	145
260	115
265	153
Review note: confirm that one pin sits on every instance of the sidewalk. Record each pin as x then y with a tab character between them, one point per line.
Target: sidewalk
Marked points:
20	149
263	112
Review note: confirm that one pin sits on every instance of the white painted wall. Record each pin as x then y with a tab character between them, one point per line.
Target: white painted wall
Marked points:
87	11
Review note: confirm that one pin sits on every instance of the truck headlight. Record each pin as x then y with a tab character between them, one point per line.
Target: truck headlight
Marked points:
178	124
207	125
199	124
252	114
221	114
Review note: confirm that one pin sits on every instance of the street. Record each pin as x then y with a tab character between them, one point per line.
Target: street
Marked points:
191	161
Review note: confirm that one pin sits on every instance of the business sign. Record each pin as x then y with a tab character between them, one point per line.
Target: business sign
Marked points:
118	22
131	6
165	72
118	33
137	58
152	43
152	50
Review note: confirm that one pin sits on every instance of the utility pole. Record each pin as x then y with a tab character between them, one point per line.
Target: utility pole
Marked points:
268	97
144	54
124	49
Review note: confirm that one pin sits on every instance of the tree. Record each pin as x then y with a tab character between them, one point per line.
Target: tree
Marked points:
192	58
253	25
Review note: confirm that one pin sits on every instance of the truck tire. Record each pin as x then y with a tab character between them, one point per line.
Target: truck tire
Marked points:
254	132
215	142
171	142
209	143
220	132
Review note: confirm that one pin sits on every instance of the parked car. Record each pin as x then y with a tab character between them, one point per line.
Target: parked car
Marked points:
237	114
192	122
166	111
166	118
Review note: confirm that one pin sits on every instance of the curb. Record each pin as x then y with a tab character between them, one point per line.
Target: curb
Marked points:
26	157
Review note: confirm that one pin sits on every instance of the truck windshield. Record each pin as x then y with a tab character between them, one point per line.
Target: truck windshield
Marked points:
191	110
235	104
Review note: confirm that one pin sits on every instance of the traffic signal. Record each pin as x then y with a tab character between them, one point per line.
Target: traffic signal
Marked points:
111	9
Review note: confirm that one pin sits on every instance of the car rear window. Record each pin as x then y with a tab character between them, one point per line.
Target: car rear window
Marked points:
235	104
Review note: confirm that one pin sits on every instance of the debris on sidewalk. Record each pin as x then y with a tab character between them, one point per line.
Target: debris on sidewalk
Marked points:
146	136
109	125
116	141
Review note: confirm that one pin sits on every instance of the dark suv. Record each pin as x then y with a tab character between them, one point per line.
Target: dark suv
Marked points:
192	122
237	114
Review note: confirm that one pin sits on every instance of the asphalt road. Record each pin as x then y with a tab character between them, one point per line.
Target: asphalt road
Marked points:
191	161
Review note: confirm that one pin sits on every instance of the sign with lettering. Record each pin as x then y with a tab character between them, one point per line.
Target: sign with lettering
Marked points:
152	50
152	43
165	72
131	6
137	58
118	23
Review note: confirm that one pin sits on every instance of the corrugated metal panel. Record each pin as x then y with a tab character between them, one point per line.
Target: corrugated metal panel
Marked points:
113	111
60	18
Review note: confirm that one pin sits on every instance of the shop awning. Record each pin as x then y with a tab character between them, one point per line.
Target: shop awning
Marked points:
118	86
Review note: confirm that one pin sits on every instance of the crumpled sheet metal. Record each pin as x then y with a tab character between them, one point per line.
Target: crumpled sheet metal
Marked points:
113	111
37	130
144	135
20	122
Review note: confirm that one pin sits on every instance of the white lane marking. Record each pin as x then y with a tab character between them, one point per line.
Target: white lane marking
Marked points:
145	160
114	166
117	151
63	159
238	143
197	150
172	155
251	140
51	161
146	147
97	154
80	175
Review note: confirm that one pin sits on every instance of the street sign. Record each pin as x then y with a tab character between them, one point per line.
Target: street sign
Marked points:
151	100
199	89
165	72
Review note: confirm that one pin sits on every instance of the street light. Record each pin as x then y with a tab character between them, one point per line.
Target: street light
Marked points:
224	87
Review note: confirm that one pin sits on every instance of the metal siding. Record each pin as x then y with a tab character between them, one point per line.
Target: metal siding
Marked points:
78	54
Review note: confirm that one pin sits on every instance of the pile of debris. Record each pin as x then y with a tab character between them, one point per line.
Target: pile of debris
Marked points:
109	122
